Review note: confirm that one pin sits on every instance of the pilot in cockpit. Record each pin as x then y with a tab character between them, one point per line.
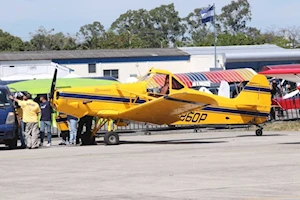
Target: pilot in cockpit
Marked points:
165	87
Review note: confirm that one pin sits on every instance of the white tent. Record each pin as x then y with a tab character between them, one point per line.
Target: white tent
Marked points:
131	80
71	75
43	70
27	77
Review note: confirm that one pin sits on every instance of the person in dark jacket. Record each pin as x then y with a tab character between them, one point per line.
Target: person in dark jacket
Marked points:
86	137
46	120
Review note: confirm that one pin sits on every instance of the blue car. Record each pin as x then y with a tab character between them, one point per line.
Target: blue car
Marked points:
8	119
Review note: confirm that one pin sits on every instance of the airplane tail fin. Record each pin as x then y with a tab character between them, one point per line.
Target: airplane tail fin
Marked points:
256	95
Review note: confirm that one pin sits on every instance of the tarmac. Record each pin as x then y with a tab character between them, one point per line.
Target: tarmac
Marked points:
185	165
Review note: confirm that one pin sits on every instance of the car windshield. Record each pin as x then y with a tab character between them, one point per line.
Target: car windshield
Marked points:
4	99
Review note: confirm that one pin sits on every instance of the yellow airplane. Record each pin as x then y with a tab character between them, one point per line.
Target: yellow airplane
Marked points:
172	103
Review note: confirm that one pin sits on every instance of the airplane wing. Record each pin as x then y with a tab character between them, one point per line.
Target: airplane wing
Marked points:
289	72
166	110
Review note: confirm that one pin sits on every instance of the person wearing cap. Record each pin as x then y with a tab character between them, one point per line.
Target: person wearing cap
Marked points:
45	120
31	111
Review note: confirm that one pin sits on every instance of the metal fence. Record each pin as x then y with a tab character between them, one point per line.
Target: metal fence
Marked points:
285	109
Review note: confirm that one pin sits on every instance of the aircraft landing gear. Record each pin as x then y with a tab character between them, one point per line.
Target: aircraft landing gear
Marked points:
259	132
111	138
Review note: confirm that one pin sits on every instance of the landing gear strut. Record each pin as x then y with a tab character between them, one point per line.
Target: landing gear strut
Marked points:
259	131
111	137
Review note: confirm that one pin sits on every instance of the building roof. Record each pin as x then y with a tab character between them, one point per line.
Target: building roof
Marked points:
84	54
247	53
205	50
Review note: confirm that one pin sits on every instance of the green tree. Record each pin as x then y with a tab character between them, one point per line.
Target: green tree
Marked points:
112	40
159	27
9	42
234	16
199	34
91	35
292	34
168	25
43	39
135	23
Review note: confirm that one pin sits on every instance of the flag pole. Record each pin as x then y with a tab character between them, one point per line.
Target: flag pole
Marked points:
215	38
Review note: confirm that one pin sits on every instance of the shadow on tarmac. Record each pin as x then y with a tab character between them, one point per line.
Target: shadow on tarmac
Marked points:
290	143
184	141
267	135
5	148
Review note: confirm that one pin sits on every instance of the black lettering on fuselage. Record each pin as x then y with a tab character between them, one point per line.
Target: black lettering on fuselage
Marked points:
195	117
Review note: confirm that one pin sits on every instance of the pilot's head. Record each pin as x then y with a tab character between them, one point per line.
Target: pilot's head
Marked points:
167	80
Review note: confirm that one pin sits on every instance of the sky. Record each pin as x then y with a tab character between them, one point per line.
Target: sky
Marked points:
20	17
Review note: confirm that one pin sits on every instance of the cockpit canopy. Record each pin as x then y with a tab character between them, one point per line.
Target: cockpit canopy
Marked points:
157	81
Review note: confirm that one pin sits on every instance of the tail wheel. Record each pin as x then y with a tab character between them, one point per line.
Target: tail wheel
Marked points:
111	138
259	132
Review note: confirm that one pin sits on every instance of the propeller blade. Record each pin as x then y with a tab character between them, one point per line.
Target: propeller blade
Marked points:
289	95
53	84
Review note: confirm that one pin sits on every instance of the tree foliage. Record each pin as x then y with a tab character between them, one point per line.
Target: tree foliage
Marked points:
160	27
43	40
235	15
9	42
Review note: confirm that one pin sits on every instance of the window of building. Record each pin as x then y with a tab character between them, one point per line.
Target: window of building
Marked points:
111	72
92	68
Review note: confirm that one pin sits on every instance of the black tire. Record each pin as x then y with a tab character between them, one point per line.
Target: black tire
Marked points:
111	138
259	132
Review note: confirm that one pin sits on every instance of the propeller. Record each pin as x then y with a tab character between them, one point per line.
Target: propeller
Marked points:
53	84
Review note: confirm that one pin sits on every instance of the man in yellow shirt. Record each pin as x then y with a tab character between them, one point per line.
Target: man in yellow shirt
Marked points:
31	112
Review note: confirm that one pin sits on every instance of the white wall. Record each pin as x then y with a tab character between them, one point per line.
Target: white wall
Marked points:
201	63
127	69
15	70
197	63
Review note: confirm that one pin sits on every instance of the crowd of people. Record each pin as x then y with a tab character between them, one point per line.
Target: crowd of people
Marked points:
35	119
279	90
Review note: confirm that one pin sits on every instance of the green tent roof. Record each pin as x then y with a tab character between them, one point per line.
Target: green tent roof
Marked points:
42	86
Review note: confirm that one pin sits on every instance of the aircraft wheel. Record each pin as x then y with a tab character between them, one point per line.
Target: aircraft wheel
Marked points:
111	138
259	132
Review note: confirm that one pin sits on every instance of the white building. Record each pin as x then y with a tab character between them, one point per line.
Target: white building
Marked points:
31	69
125	63
121	64
249	56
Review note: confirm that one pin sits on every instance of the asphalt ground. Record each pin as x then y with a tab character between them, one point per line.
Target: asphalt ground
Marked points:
205	165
